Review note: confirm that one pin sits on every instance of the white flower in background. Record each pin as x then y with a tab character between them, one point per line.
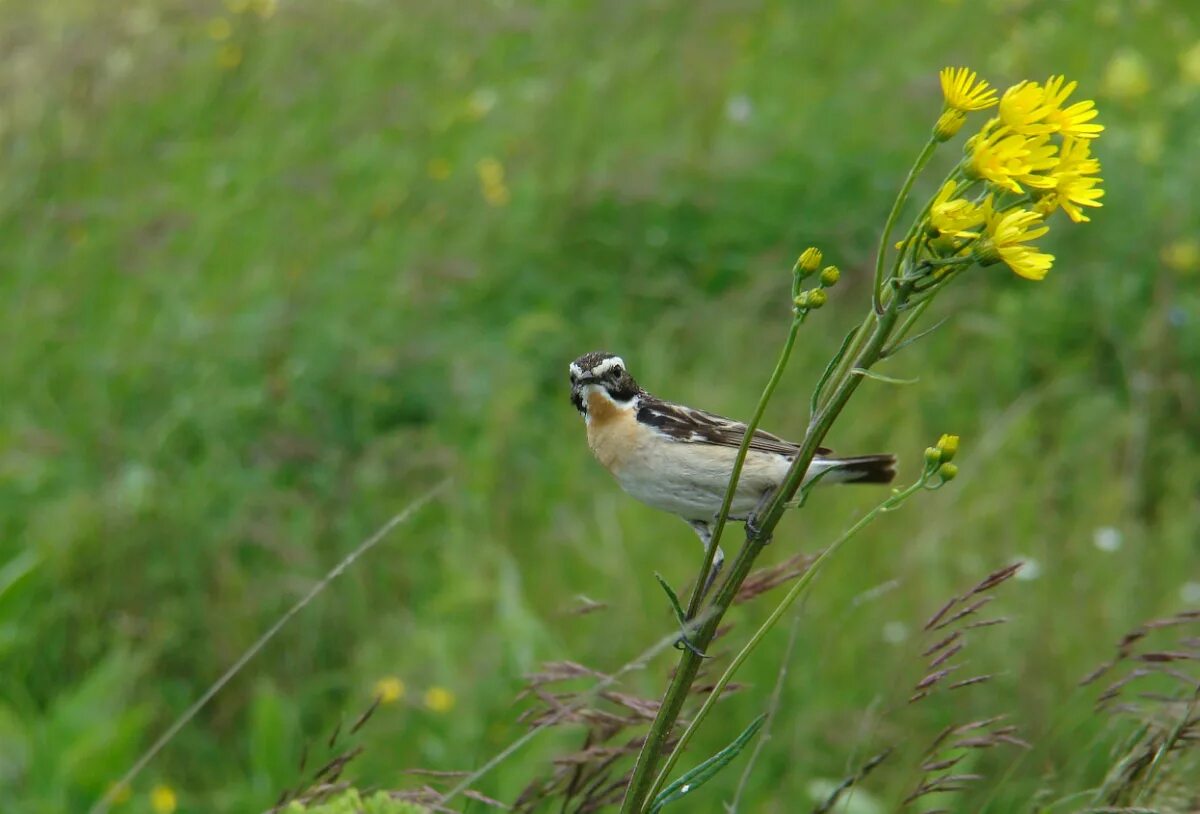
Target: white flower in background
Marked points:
1030	570
739	109
1107	538
895	632
1189	592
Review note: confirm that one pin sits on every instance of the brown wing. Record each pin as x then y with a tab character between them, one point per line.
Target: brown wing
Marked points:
700	427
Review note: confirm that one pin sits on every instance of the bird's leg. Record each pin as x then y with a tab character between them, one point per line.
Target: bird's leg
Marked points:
752	528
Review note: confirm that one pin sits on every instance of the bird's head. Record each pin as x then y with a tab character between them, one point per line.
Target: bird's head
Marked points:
604	373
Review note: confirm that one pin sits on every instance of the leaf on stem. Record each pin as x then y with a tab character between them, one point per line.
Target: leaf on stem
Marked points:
707	770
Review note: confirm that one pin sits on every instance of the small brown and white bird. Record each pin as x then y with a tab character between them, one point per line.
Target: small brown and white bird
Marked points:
679	459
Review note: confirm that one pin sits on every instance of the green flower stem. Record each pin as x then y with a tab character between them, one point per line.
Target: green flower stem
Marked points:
788	600
739	461
897	205
645	769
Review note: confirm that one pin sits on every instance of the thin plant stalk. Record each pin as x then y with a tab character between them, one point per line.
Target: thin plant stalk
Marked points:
788	600
738	462
893	216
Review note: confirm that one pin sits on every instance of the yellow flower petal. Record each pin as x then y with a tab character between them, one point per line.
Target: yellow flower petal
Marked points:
389	689
962	92
439	699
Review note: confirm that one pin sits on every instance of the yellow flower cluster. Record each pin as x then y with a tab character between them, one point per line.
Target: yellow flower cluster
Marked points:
1033	158
491	181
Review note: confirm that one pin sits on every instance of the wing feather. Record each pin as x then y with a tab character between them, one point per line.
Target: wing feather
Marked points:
694	426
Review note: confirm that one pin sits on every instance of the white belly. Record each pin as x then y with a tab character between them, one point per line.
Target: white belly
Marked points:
690	479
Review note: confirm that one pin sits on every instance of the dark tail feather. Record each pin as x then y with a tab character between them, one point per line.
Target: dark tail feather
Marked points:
866	469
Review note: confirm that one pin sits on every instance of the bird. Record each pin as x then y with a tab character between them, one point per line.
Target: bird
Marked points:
679	459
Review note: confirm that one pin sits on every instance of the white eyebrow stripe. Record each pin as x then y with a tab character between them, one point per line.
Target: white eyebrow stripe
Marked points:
576	370
607	365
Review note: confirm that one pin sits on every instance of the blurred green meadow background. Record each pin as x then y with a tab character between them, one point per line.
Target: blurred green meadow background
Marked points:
268	271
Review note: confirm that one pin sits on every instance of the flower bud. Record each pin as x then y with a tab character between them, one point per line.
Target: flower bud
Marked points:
948	472
948	446
816	298
829	276
933	456
985	252
801	300
809	261
948	124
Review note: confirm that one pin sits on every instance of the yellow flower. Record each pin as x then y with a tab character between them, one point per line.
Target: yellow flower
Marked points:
809	261
962	92
948	446
219	29
948	124
491	181
1074	121
1001	157
1074	182
1182	255
1076	157
1127	76
1006	234
439	699
1023	109
1189	65
162	799
389	690
953	217
1041	158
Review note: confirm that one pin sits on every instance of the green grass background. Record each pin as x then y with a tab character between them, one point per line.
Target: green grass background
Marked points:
251	310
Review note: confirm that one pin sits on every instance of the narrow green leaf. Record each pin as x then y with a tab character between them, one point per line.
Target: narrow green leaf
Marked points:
707	770
680	616
833	363
879	377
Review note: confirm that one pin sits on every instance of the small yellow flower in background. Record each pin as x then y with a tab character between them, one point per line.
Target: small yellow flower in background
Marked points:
265	9
229	56
219	29
953	217
438	169
389	690
962	92
1182	255
1074	121
1189	65
491	181
1006	234
1127	76
439	699
162	799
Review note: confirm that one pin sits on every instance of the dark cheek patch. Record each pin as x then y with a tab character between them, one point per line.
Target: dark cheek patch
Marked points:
577	400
